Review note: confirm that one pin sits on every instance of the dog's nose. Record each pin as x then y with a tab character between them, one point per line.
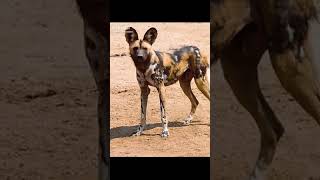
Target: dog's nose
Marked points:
140	53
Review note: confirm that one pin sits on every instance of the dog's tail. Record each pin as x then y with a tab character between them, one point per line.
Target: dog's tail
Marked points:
198	71
194	57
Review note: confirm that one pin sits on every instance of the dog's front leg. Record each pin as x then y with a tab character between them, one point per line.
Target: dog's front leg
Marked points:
145	91
161	90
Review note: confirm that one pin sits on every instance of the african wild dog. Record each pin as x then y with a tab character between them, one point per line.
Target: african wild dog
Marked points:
159	69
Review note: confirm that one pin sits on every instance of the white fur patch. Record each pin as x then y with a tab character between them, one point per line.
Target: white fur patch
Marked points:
291	33
146	77
149	72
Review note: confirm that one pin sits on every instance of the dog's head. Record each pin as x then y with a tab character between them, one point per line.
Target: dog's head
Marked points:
140	50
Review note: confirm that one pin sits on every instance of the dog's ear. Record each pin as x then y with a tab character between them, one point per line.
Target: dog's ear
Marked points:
151	35
131	35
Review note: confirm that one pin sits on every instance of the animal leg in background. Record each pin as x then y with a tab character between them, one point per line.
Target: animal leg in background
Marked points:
95	20
299	78
240	70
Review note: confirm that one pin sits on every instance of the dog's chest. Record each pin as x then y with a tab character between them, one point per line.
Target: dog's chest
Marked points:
153	75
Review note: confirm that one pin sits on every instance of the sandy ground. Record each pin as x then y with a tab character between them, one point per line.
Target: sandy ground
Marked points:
48	127
190	140
237	138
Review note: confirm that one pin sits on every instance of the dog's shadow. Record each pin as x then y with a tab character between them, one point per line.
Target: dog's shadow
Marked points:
127	131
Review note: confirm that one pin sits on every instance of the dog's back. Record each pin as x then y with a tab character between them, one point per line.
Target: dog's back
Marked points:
184	59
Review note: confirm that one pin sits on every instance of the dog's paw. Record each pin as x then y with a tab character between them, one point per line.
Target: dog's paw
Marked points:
188	120
165	134
138	131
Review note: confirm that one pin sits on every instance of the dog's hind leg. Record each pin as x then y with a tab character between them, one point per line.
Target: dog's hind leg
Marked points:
240	71
300	78
186	87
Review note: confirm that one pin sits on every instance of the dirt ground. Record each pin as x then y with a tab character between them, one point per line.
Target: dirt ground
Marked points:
236	137
193	140
48	126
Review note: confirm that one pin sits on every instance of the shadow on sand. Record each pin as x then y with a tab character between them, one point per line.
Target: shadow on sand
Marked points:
127	131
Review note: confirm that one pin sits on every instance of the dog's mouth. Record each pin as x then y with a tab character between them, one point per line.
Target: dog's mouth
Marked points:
140	59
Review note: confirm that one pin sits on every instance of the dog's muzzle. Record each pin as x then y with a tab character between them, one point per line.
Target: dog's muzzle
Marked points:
140	55
140	59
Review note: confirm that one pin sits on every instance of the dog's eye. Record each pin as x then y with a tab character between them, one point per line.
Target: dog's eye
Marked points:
145	49
135	48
